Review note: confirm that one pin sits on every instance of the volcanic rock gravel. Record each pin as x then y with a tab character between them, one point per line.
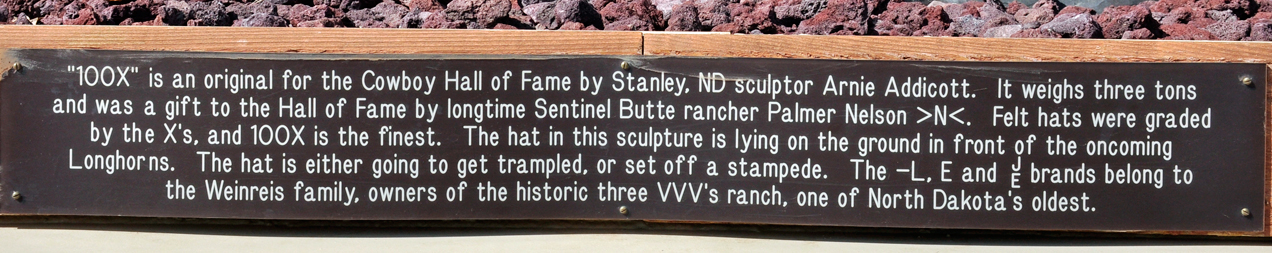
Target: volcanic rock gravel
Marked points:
1249	20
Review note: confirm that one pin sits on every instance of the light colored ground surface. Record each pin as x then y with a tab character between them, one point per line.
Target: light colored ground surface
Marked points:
87	238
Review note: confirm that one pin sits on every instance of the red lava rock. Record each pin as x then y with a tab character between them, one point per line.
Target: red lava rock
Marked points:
577	26
1005	31
1034	17
209	14
994	15
665	6
961	9
263	20
1264	6
1229	30
1015	6
1120	19
476	13
1166	6
626	10
1222	16
301	14
993	10
83	16
793	11
1146	4
712	13
14	8
750	16
62	14
113	14
684	18
936	22
4	13
1076	10
875	7
973	8
384	15
347	5
245	10
1139	34
1243	8
175	13
1260	30
901	19
437	20
326	22
532	2
629	24
1036	34
540	13
576	11
1050	5
1071	25
154	22
1176	16
573	26
1193	16
841	17
997	21
424	5
967	26
50	9
329	3
1259	17
1185	32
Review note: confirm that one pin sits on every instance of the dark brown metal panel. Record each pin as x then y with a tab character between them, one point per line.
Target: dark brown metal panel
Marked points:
48	158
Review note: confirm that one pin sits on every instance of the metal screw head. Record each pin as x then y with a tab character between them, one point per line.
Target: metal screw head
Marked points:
1247	80
626	66
622	210
17	66
1245	212
16	196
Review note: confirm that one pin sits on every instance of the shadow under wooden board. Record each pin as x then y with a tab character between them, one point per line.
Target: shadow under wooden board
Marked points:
987	54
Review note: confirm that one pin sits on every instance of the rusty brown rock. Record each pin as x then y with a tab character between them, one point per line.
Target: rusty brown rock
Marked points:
841	17
901	19
1229	30
628	11
1071	25
1139	34
1117	20
684	17
1185	32
477	13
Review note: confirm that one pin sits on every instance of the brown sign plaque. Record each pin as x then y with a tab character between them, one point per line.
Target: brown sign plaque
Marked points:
1040	146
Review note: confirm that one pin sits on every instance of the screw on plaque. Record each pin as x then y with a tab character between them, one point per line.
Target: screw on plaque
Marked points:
622	210
626	66
1247	80
1245	212
17	67
16	196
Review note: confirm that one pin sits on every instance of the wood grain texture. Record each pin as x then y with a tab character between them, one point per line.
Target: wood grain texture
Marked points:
322	40
954	49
